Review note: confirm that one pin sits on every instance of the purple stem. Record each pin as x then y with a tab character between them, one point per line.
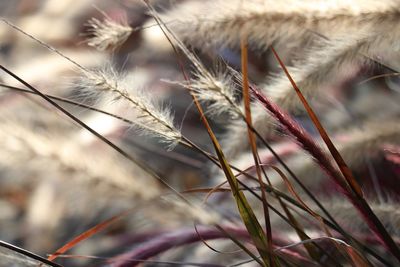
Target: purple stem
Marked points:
303	139
306	141
167	241
170	240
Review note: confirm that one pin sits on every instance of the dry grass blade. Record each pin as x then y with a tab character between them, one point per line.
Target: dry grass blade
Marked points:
335	153
252	140
173	239
305	140
210	247
357	199
245	210
311	250
293	191
87	234
206	190
357	259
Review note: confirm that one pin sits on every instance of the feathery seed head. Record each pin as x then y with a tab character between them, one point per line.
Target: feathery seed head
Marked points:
147	115
219	22
218	91
107	34
208	87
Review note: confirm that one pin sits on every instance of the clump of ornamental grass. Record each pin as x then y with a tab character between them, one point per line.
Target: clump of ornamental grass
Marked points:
269	222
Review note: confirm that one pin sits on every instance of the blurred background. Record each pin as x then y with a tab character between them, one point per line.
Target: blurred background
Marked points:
57	180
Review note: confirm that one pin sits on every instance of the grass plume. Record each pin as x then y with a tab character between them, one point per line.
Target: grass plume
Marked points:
148	117
107	34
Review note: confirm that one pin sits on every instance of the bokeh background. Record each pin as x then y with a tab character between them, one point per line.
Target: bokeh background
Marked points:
57	180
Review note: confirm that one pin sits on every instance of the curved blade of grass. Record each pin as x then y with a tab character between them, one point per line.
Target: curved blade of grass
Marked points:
219	188
335	153
293	192
177	238
85	235
311	249
212	248
206	190
321	158
252	140
357	197
245	210
309	246
356	258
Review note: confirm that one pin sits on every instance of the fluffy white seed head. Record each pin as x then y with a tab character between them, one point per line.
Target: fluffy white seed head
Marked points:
219	22
107	34
147	116
218	91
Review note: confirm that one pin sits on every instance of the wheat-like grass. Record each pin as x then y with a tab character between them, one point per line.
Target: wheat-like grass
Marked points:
117	88
107	34
202	23
218	91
